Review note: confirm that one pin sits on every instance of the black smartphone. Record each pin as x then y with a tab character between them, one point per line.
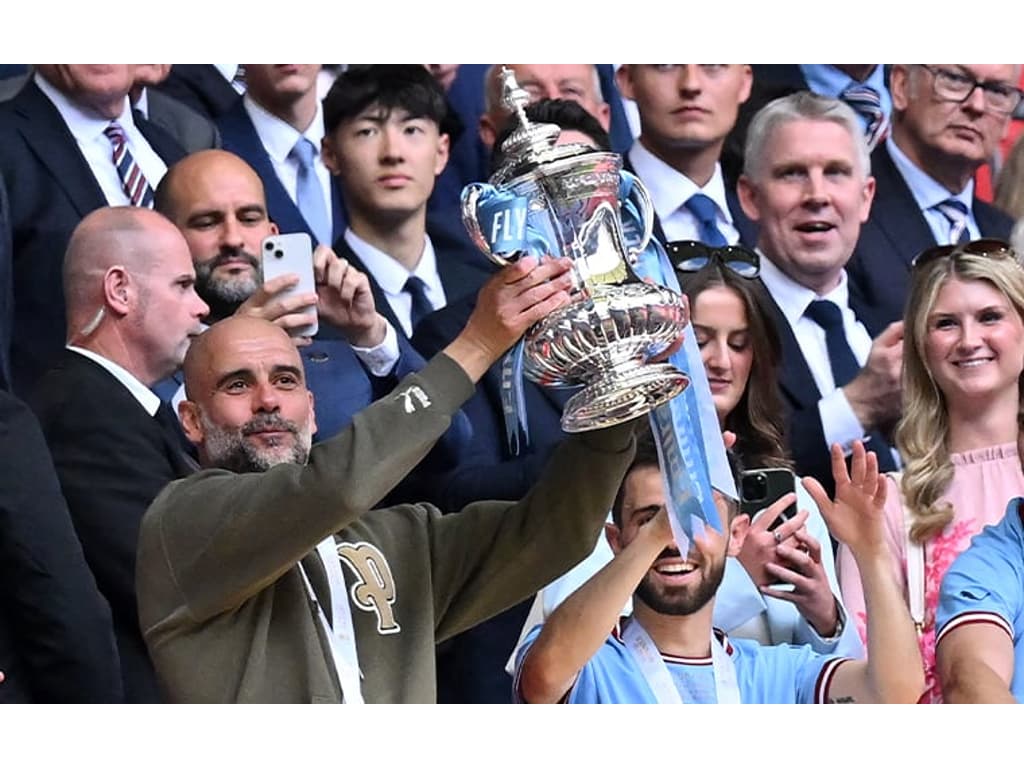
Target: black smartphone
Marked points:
760	488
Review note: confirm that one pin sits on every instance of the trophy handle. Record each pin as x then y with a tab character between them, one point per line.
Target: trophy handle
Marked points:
470	197
642	200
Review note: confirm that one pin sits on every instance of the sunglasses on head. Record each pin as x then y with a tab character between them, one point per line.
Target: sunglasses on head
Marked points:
988	247
693	255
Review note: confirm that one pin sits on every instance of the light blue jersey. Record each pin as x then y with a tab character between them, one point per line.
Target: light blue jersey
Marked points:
766	674
985	584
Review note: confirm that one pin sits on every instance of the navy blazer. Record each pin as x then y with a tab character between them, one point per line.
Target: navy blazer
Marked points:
50	188
201	87
800	394
238	135
463	270
895	232
6	289
489	469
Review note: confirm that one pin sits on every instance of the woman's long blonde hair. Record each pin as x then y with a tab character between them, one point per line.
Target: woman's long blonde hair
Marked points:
923	431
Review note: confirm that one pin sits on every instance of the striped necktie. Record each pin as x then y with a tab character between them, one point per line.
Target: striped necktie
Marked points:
865	102
133	182
956	213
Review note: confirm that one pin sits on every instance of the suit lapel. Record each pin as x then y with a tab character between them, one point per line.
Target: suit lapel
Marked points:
165	145
895	212
45	132
379	298
795	376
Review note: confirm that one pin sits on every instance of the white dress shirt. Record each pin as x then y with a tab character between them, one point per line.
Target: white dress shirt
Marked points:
670	190
928	193
391	276
146	397
87	127
837	417
279	138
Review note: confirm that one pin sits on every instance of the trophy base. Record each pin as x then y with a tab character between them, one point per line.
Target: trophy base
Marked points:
622	395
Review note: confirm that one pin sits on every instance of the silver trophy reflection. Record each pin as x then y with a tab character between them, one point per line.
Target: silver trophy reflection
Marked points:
605	338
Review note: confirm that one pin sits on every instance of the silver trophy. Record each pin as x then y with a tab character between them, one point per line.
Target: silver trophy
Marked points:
564	200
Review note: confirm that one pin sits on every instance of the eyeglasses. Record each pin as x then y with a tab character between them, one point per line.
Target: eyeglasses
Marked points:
693	255
958	86
988	247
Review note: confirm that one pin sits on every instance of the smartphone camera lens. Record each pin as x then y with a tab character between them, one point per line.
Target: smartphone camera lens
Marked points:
754	487
269	246
278	254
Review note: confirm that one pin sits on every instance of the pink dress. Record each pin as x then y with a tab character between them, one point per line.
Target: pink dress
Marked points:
984	480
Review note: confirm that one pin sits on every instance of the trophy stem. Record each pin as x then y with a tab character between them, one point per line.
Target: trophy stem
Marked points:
621	394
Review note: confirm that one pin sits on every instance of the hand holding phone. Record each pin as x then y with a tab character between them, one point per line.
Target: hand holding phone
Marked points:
760	488
292	255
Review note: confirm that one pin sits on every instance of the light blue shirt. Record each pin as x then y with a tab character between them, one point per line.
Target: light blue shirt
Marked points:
778	674
985	584
928	192
828	80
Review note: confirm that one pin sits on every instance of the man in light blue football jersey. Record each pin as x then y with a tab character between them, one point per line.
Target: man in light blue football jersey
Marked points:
669	652
980	618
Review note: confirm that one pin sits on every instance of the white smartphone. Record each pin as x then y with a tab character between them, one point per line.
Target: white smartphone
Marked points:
292	255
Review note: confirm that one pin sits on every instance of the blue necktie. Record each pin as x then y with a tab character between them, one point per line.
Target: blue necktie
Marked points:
840	357
421	306
956	213
309	194
706	212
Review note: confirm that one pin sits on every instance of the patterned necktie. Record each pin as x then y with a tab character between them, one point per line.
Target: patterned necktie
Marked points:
421	306
309	194
706	213
133	182
956	213
865	101
840	357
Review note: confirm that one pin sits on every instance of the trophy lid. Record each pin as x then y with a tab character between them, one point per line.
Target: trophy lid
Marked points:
531	144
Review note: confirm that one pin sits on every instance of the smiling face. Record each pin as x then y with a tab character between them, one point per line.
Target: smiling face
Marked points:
675	585
248	407
723	336
387	162
809	197
974	343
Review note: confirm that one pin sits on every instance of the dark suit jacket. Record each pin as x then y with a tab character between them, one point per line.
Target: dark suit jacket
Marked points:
189	128
489	470
200	87
112	459
50	188
56	636
239	136
6	289
800	393
895	232
462	272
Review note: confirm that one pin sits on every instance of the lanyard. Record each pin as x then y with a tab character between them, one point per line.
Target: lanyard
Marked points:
652	667
341	635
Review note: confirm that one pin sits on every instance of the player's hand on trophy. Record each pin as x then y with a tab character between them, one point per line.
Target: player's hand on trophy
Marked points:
508	304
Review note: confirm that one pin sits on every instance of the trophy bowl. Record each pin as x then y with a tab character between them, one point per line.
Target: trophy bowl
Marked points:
605	341
567	199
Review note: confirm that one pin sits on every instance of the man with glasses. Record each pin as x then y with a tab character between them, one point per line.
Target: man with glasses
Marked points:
947	122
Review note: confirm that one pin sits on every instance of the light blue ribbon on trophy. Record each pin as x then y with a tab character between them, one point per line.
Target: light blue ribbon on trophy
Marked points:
505	225
686	428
